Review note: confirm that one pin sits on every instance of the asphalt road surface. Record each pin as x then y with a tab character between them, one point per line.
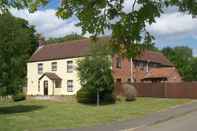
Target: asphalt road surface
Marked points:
186	122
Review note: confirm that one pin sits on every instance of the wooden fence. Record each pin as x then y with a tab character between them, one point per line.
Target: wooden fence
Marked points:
167	90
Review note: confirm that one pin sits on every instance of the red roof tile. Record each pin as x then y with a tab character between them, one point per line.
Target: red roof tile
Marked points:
153	56
163	72
69	49
77	48
51	76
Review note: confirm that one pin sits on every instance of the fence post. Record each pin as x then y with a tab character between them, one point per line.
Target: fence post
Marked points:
165	90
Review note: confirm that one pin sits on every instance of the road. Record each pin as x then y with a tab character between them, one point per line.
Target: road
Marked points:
183	123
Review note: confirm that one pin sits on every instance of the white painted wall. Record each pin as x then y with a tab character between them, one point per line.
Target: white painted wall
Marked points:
33	77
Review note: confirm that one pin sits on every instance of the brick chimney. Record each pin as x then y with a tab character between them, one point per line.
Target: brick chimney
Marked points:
41	41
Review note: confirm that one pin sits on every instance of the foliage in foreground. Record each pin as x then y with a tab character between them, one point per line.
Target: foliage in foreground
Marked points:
96	75
17	43
127	19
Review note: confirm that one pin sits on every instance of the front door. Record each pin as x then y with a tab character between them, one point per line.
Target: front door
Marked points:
119	88
45	88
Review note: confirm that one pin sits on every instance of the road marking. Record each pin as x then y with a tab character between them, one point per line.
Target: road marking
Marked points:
133	129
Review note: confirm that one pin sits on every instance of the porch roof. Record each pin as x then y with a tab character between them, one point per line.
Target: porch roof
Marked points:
51	76
159	73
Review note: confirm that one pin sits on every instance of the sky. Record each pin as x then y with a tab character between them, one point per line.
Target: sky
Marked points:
171	29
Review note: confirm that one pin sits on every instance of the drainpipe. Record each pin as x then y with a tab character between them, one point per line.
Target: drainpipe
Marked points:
147	66
131	63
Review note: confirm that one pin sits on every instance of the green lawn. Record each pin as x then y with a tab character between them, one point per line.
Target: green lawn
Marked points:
34	115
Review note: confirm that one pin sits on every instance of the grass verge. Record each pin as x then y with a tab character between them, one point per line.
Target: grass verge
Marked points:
38	115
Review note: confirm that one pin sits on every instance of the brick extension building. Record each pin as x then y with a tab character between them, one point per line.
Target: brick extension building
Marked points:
149	66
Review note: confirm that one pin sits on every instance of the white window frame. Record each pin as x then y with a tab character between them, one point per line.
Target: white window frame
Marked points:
54	66
70	66
40	68
70	86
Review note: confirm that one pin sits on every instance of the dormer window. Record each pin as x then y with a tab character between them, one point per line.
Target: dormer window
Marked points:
54	66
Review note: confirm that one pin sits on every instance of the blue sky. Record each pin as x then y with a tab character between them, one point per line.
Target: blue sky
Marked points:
171	29
52	4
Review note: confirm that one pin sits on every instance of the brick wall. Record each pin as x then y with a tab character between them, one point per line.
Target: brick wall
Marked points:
123	73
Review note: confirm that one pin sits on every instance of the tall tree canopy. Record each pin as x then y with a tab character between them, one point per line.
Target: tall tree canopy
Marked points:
17	43
193	73
129	33
182	58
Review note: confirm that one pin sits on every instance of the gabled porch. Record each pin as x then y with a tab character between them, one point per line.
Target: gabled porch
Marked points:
49	84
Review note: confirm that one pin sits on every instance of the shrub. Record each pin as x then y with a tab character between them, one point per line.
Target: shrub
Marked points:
89	96
84	96
130	92
19	97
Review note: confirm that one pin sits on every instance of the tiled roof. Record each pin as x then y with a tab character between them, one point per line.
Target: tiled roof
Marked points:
77	48
138	74
163	72
153	56
69	49
51	76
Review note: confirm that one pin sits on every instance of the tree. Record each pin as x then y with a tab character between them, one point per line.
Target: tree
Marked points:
20	4
193	69
96	76
65	38
129	34
17	43
181	57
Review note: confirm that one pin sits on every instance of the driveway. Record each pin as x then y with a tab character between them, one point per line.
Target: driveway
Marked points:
183	123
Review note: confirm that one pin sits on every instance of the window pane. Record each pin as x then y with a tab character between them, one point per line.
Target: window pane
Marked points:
40	68
69	66
70	85
54	66
118	62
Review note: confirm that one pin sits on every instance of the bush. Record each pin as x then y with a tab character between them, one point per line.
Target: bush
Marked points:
84	96
90	96
19	97
130	92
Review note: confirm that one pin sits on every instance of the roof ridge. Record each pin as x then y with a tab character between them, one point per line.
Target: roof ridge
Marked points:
66	42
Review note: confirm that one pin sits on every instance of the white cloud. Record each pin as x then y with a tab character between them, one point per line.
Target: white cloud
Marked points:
174	24
128	4
169	28
194	52
47	23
